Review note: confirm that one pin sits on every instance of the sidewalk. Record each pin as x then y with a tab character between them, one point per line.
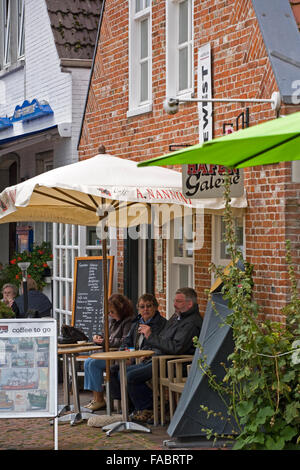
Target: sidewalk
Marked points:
38	434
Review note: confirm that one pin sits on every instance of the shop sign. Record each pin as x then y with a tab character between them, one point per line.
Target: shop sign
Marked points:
28	363
30	111
202	181
205	91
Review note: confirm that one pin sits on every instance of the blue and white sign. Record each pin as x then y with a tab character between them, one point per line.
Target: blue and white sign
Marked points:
5	123
30	111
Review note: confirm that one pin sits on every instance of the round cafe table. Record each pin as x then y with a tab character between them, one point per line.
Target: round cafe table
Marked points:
121	357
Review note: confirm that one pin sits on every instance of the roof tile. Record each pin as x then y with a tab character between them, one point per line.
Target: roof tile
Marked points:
74	24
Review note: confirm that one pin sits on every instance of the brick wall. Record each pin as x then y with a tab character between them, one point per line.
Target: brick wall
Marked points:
240	69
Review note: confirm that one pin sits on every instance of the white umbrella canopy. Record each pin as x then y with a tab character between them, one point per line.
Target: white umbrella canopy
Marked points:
71	194
82	192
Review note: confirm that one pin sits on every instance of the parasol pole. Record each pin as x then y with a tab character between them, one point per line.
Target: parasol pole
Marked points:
106	323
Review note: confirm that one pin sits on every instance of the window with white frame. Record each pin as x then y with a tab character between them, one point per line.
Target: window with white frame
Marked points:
6	31
220	254
140	57
180	257
21	39
12	32
179	48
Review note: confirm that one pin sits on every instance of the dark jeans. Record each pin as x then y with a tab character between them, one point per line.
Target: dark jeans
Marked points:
139	393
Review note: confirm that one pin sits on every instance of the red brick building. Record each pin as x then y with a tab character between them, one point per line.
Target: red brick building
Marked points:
148	50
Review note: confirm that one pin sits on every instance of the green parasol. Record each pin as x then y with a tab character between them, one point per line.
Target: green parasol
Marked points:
273	141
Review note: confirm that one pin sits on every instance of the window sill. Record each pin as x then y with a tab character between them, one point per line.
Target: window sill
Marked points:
186	95
141	110
12	68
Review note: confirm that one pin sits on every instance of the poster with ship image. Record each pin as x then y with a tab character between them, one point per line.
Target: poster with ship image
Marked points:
28	368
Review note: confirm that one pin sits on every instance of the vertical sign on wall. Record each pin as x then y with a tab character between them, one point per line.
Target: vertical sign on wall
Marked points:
200	181
204	91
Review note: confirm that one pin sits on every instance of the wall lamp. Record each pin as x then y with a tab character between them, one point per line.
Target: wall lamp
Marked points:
171	105
24	266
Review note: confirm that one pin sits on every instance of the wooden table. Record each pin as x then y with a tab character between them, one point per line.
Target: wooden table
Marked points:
72	350
121	357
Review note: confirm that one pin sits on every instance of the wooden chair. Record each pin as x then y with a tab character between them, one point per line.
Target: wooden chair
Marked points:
177	380
160	385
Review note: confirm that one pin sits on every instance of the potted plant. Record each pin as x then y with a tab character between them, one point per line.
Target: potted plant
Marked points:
38	258
5	311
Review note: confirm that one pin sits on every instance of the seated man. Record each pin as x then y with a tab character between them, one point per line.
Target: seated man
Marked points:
176	338
37	301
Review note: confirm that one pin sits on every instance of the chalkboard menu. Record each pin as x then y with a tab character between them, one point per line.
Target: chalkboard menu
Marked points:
88	294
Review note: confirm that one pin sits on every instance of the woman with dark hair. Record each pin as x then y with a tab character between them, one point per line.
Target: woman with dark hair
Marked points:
121	314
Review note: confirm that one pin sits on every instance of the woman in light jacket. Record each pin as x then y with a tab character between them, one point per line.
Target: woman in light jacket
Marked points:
121	314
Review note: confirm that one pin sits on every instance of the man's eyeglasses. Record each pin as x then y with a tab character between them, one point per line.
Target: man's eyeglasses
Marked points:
179	301
142	306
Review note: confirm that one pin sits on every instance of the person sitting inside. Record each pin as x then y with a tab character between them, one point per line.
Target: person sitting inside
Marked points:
148	314
121	315
176	338
9	293
37	301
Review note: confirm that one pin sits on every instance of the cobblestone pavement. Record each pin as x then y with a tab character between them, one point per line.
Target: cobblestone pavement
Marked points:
38	434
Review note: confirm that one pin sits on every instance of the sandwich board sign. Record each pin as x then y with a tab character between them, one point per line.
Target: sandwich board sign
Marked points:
28	368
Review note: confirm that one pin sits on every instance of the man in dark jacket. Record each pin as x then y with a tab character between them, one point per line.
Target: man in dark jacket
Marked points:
175	338
36	302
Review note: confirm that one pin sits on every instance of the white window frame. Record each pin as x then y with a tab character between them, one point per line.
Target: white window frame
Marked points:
12	40
70	241
21	36
174	263
6	5
142	266
136	106
173	47
217	240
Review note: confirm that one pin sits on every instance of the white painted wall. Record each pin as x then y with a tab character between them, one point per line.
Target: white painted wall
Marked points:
42	78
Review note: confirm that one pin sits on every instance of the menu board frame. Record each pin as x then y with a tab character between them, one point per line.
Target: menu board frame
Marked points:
88	260
28	370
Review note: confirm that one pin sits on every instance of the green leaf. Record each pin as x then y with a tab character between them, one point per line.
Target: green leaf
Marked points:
275	444
263	414
244	408
288	433
289	376
292	411
238	445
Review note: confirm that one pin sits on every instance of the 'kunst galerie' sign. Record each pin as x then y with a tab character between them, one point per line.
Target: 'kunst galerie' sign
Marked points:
206	181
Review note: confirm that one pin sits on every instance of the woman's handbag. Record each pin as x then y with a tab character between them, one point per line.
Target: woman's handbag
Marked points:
70	334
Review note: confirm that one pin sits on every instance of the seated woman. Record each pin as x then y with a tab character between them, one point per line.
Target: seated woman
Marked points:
121	316
9	292
148	314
